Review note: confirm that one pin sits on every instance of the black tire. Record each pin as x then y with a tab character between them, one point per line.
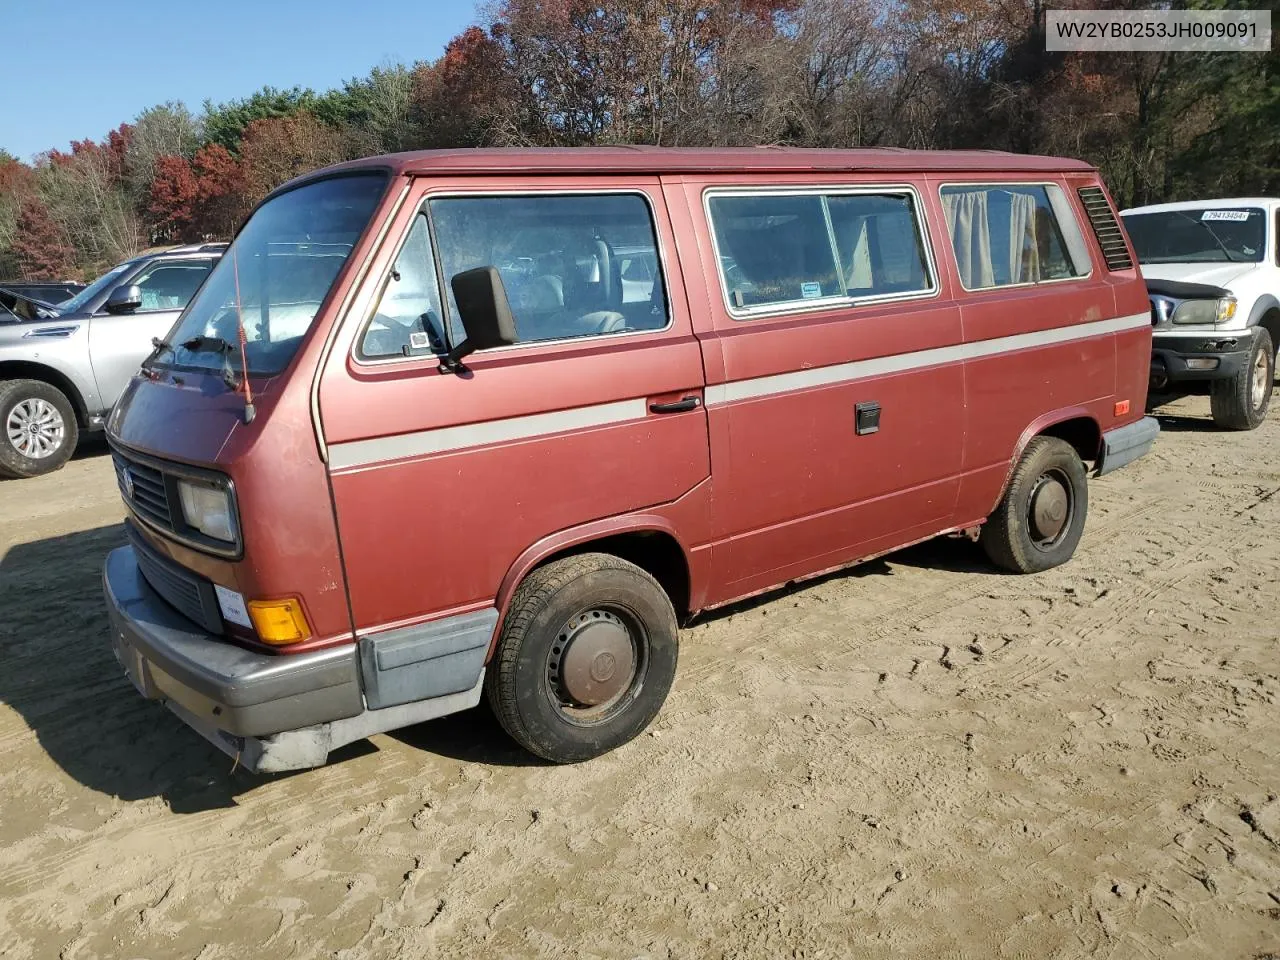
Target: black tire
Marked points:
554	609
1011	537
19	400
1241	403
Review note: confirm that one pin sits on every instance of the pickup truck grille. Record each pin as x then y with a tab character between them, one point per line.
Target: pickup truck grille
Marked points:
144	489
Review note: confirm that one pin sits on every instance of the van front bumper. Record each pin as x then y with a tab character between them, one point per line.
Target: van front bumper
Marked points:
270	712
1211	355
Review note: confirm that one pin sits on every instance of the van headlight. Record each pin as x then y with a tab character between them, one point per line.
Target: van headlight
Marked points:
207	509
1205	311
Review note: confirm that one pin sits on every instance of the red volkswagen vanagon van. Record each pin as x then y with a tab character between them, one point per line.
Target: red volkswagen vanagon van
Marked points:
472	422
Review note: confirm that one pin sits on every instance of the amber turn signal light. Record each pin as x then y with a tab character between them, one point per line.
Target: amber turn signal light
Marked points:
279	622
1122	407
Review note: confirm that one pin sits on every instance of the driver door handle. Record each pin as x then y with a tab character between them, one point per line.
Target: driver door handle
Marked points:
676	406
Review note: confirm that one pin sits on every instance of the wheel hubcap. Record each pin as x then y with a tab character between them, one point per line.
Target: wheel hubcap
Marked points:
35	428
596	660
595	663
1050	507
1260	379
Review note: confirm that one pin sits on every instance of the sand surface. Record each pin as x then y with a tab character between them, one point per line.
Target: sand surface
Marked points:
920	758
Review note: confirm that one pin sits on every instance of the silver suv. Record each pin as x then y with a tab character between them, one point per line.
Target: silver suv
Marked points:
62	367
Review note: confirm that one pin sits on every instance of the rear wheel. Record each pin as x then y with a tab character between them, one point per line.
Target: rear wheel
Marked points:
38	429
1241	402
1041	518
586	657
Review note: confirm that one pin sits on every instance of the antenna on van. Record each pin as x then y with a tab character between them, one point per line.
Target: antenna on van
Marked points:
249	410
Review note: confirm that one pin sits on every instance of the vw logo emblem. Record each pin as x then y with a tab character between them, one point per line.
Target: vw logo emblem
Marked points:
126	478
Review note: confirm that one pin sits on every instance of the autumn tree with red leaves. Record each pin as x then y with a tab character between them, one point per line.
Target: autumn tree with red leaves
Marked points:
40	248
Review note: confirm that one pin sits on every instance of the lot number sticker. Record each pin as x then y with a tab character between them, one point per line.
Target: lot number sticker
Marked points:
232	606
1235	216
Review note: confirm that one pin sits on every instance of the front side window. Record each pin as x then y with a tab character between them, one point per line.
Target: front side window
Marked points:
276	274
567	261
1007	234
408	318
794	250
1219	235
169	286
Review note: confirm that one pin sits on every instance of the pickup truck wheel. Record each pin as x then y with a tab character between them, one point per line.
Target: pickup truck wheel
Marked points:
1039	522
38	430
1241	402
585	659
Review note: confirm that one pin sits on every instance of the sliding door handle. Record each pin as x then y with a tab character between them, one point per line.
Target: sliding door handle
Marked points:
676	406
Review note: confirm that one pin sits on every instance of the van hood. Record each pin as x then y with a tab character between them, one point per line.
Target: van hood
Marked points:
178	415
1214	274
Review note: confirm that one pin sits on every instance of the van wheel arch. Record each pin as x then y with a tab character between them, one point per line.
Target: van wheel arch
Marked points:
653	549
1077	428
27	370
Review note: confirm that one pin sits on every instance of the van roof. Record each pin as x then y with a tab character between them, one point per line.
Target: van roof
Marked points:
675	160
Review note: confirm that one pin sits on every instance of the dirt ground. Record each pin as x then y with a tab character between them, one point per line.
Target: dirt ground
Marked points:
919	758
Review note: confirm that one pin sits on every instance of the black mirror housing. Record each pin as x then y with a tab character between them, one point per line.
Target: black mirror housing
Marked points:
124	299
484	310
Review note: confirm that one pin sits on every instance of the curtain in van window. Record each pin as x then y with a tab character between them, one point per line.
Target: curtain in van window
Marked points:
1024	246
970	236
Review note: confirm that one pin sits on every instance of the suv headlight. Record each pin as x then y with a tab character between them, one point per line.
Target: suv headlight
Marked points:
1205	311
207	509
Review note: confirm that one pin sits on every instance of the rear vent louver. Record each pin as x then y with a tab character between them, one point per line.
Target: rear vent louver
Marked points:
1105	228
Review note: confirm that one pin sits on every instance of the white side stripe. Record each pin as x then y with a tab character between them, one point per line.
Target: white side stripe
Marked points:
862	369
359	453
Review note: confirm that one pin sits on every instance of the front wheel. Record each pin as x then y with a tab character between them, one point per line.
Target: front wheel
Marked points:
586	657
38	429
1241	402
1041	518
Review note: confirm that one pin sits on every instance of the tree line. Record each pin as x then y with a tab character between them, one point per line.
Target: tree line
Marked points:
929	74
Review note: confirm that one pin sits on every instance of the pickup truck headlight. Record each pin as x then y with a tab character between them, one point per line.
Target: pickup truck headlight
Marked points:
1205	312
207	509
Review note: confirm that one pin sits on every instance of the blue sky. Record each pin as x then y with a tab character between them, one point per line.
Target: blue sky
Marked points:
79	68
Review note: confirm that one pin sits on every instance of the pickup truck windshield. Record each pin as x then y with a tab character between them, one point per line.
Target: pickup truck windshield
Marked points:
1220	235
276	274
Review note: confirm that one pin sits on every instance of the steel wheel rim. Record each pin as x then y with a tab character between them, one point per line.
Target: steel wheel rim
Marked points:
1259	387
1045	531
599	627
35	428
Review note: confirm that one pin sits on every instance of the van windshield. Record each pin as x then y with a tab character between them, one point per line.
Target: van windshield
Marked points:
1198	236
275	275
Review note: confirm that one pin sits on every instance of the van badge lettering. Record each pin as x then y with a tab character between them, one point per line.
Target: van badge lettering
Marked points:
126	478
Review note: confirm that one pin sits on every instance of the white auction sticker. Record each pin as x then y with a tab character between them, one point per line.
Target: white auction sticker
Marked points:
1236	216
232	606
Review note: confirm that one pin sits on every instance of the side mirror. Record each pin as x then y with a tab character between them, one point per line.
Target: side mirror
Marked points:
485	313
124	299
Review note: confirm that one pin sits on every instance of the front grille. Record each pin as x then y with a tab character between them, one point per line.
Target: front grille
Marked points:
1106	228
144	489
190	595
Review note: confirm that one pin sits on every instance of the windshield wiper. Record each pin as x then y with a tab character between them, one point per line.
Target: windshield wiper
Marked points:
204	344
1216	239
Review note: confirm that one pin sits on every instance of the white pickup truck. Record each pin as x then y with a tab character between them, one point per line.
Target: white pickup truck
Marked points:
1213	272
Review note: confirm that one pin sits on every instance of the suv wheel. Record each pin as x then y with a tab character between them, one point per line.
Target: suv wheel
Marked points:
38	429
1241	402
585	659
